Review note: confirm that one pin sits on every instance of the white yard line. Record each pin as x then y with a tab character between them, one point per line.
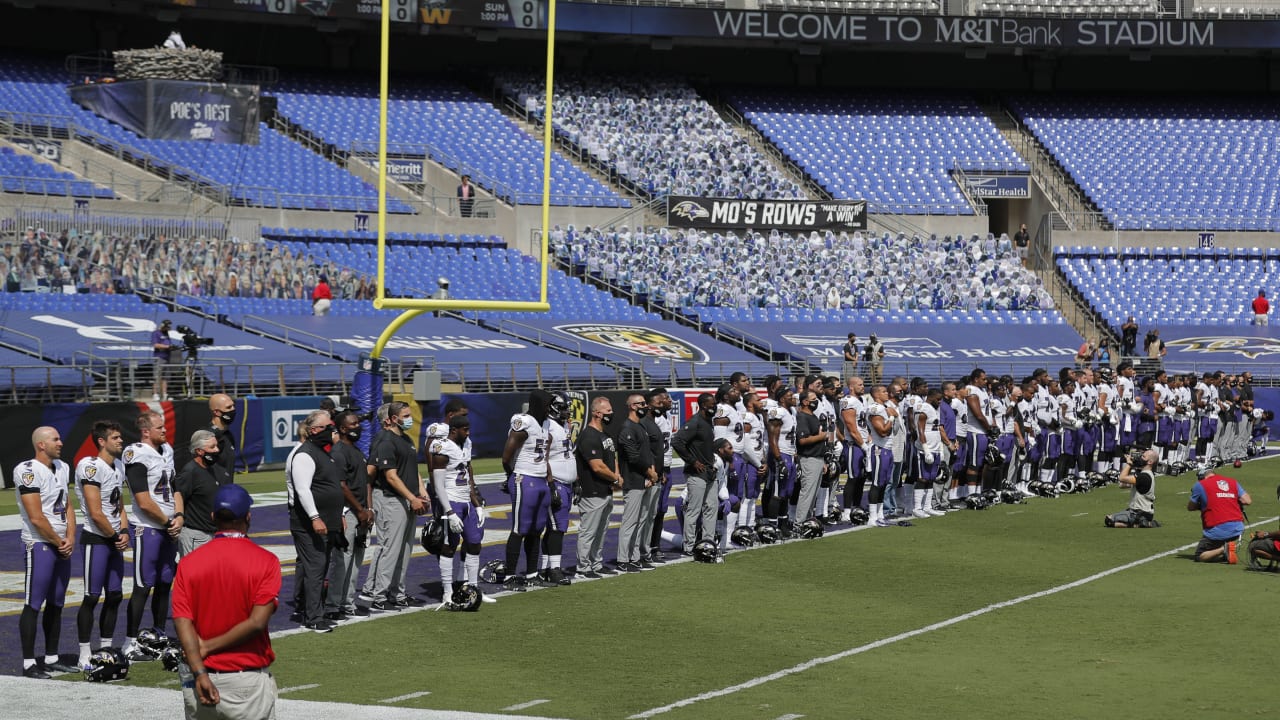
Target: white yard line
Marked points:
297	688
407	696
524	705
817	662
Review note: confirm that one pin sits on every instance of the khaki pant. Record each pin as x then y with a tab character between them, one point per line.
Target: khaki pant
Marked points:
189	539
241	696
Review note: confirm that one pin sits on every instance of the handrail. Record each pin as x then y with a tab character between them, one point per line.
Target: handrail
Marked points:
39	344
286	337
365	149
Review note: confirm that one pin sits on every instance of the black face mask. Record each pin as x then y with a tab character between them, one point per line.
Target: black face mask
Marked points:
709	412
323	438
354	433
641	412
606	419
229	417
211	457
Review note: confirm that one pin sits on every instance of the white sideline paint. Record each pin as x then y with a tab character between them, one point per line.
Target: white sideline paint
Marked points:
790	717
408	696
816	662
1080	514
524	705
297	688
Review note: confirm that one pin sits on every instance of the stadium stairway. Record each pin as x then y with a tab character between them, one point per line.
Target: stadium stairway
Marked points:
1074	208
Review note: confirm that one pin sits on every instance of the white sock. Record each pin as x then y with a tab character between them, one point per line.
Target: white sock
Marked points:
906	494
50	659
543	561
472	564
824	499
875	512
730	524
747	513
553	562
921	498
128	643
104	643
84	653
28	663
673	538
446	575
954	493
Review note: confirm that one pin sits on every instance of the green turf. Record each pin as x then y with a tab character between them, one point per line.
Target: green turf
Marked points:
1165	639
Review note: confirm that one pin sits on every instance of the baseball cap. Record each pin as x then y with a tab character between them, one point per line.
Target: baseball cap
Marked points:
1203	472
233	498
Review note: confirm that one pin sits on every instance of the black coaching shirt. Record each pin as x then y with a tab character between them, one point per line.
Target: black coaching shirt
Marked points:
595	445
393	451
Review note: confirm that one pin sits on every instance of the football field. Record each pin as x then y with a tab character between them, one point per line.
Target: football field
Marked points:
1032	610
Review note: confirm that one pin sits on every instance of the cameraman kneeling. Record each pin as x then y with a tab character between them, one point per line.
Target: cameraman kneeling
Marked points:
1137	474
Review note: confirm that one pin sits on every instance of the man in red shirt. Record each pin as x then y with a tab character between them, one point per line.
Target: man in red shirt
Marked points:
321	297
223	596
1260	308
1220	501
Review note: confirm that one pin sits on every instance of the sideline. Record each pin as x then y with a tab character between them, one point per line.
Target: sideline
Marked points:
809	664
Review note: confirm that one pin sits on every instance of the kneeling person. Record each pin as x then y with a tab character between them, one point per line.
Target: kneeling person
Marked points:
1141	479
1220	501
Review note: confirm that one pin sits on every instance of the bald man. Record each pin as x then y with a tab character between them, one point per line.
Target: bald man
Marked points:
48	538
223	411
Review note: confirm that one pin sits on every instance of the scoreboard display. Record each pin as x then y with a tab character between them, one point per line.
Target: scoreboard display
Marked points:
402	11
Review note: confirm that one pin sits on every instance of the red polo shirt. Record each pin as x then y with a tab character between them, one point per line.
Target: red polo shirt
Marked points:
1261	306
217	586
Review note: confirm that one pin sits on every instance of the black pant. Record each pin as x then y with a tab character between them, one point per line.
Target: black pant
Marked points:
312	562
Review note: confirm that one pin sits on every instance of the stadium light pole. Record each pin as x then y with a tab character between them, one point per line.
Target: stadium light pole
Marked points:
416	306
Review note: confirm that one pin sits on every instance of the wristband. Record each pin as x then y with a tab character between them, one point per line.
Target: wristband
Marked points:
198	673
178	515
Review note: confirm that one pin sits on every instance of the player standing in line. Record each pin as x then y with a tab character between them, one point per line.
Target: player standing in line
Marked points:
929	448
463	512
853	420
754	449
148	466
660	406
524	458
880	420
100	490
782	450
563	464
48	539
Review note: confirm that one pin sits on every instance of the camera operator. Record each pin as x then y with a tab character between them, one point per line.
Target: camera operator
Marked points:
1137	473
1220	501
161	357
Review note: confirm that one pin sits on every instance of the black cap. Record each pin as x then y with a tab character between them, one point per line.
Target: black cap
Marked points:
459	421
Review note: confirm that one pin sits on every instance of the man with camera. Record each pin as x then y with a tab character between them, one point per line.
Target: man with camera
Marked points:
1220	501
162	350
1137	474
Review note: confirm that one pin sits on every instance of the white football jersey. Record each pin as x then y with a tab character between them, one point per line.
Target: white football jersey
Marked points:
932	436
531	459
875	410
109	479
34	476
756	435
457	479
668	428
734	431
854	403
564	466
160	473
961	409
984	404
787	433
826	413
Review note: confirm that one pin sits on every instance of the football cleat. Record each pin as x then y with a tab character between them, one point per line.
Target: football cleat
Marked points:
705	551
107	665
743	537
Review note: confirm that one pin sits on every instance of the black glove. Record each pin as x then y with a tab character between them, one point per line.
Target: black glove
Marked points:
556	501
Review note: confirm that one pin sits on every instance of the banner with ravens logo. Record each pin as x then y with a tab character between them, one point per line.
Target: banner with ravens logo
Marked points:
636	339
794	215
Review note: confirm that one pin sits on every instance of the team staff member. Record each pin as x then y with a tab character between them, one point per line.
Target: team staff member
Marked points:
638	475
1142	494
1220	501
658	424
398	498
148	467
194	490
811	442
222	410
347	556
48	538
223	597
598	477
314	484
105	536
693	443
